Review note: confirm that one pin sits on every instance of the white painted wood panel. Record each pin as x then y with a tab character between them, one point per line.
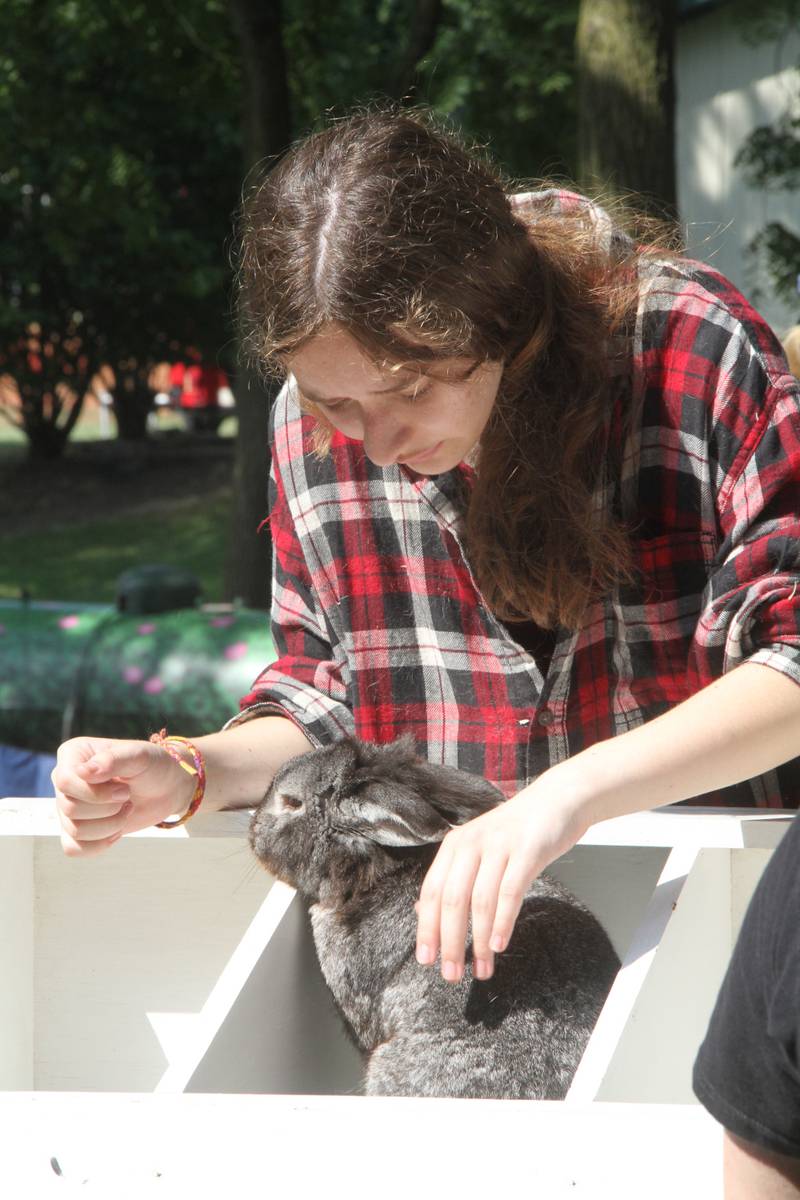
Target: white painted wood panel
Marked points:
16	963
168	963
132	1148
651	1059
111	960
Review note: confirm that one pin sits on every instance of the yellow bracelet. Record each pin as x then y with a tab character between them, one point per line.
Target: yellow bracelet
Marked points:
170	743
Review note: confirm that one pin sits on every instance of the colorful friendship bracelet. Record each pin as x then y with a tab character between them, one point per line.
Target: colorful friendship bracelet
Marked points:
167	742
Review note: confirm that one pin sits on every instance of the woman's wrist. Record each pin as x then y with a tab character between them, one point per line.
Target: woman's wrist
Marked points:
184	783
577	792
241	760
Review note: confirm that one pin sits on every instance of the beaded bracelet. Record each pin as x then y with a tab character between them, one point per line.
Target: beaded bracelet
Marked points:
167	742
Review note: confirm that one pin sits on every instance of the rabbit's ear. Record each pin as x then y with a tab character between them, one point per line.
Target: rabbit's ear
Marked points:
392	815
456	795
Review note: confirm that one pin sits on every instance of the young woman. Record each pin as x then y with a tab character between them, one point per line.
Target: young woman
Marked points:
534	500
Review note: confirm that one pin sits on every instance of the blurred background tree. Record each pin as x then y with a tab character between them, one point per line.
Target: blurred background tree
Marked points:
120	160
626	100
126	130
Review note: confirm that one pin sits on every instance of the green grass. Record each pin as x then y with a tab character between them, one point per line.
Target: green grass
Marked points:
81	562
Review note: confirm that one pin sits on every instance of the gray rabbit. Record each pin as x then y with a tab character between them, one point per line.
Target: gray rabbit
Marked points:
353	827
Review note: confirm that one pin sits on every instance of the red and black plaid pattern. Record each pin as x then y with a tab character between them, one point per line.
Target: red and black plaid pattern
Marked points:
381	630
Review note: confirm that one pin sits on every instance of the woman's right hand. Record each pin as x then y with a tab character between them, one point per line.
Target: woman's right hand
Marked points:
105	788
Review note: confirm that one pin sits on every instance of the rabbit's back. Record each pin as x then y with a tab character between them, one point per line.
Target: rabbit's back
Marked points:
519	1034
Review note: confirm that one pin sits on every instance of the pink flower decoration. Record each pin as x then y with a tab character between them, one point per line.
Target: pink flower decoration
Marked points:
222	622
235	650
154	686
68	622
148	627
133	674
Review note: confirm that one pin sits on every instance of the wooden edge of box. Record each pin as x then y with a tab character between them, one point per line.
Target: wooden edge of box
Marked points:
632	975
672	825
166	1144
227	988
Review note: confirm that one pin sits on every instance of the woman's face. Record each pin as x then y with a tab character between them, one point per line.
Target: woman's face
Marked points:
427	421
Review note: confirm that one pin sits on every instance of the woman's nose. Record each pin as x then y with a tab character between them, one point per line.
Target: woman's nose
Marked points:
384	439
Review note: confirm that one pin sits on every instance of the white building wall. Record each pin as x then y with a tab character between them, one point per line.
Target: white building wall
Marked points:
726	87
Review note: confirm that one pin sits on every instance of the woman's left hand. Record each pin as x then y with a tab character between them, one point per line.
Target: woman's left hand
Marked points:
484	868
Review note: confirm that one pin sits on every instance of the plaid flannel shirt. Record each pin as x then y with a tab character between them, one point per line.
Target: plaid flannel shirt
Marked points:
381	629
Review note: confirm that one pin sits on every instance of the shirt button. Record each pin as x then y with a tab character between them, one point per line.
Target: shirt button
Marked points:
545	717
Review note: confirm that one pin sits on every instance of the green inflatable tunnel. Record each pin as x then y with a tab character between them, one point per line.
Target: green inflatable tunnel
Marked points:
158	658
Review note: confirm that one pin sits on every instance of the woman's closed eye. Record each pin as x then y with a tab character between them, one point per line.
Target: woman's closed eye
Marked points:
419	390
332	404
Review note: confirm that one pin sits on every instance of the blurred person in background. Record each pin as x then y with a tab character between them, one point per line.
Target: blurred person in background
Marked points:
200	391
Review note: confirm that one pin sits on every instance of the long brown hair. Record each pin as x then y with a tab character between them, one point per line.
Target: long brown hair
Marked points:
387	225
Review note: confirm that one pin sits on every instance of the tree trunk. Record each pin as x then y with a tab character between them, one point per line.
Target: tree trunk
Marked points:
133	399
267	132
423	27
51	369
626	101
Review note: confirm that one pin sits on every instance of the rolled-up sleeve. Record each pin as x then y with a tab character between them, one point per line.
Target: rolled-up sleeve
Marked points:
308	683
751	607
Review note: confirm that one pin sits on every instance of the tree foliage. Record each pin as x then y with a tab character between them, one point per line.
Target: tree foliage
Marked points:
120	171
123	141
503	71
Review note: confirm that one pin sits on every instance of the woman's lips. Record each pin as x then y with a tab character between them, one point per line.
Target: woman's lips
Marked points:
413	459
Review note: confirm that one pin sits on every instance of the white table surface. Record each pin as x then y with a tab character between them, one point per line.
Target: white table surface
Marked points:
119	1147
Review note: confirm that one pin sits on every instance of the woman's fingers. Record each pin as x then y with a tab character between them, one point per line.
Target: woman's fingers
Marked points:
483	871
116	760
517	877
104	788
484	868
429	905
84	764
454	906
97	829
104	801
484	905
463	879
74	849
93	783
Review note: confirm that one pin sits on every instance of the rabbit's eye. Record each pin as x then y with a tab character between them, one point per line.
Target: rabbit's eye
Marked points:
290	803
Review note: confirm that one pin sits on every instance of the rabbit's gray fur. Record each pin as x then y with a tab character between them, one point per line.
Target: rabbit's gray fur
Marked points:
353	827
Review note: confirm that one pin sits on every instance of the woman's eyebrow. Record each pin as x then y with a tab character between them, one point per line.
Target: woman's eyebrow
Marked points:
408	374
394	387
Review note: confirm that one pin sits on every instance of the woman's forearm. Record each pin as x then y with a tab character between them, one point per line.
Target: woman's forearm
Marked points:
737	727
240	762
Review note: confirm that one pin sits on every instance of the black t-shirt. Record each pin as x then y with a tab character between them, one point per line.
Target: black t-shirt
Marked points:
747	1071
540	643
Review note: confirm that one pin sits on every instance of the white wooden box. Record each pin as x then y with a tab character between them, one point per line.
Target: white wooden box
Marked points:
170	966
